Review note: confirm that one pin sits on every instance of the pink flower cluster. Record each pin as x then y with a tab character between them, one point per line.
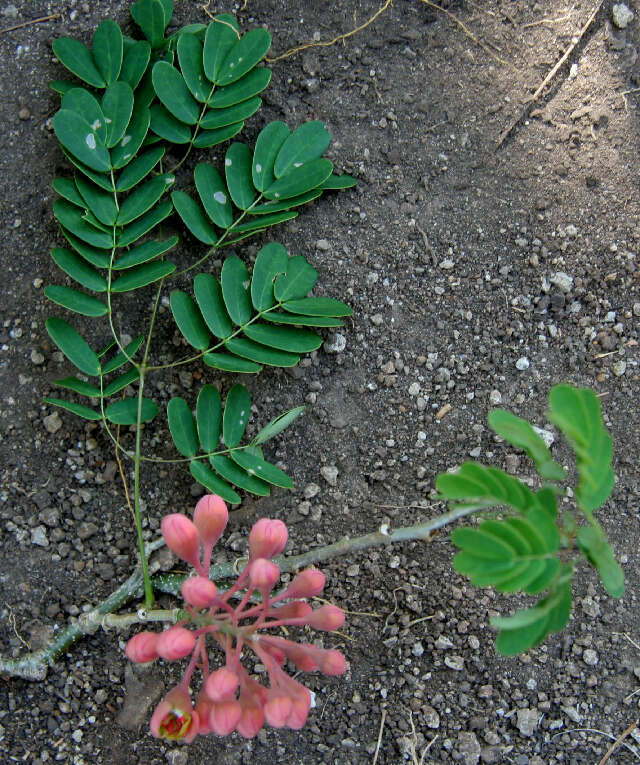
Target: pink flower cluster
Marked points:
230	698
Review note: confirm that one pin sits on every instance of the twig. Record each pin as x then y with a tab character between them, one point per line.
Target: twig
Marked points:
30	23
328	43
551	74
469	34
377	752
618	741
548	21
601	733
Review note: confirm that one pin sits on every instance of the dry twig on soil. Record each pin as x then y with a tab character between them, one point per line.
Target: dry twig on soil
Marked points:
24	24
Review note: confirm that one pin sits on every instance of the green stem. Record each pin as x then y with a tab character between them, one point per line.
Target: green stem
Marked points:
205	106
148	589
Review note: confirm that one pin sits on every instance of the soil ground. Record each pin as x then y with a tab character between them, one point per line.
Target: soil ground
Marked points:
478	273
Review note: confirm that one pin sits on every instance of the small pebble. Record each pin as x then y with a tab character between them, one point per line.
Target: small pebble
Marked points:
37	358
330	474
24	113
621	15
522	363
52	423
323	244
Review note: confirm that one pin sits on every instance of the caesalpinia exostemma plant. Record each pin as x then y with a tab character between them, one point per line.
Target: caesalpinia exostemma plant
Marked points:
236	619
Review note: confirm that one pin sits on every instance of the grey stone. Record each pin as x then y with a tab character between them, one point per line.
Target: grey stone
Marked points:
527	720
621	15
39	536
330	474
562	280
469	747
52	423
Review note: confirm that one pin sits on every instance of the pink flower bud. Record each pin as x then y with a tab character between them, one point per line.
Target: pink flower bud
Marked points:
333	663
277	710
199	591
174	717
327	618
267	538
295	610
307	584
300	705
221	684
252	718
263	574
142	647
175	643
224	716
182	537
203	710
211	517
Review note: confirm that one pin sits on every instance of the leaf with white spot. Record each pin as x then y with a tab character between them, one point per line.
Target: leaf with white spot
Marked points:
237	411
78	137
213	195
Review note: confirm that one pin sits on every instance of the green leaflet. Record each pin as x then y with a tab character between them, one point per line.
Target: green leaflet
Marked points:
127	147
125	412
247	87
208	138
82	411
217	118
237	410
194	218
277	425
182	427
300	179
268	144
265	471
77	58
122	357
144	198
228	363
85	105
284	338
78	269
143	275
272	260
204	475
189	321
243	56
135	62
221	36
318	306
79	386
599	553
173	92
100	202
117	107
153	17
79	137
144	252
306	143
76	301
73	346
144	224
213	195
139	168
210	301
237	168
299	279
71	218
69	191
234	279
108	50
121	382
209	418
235	474
476	482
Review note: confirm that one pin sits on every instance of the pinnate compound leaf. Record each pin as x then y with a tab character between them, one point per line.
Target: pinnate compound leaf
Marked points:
277	425
77	268
260	468
209	418
108	49
237	410
139	168
233	473
143	275
73	346
520	433
79	138
150	16
476	482
135	62
189	320
221	36
143	225
268	144
217	118
194	218
77	58
306	143
125	412
204	475
173	92
300	278
182	427
300	179
237	168
208	293
576	411
82	411
213	195
234	279
122	358
318	306
117	107
243	56
208	138
247	87
76	301
599	553
144	252
144	198
284	338
271	261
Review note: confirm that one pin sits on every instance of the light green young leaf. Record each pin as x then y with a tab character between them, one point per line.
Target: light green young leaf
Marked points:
77	58
76	301
299	279
277	425
306	143
213	195
108	50
599	553
182	427
173	92
73	346
209	418
237	410
117	107
210	301
189	320
473	481
194	218
271	262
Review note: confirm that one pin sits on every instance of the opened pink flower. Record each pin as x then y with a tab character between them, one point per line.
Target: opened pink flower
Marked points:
237	619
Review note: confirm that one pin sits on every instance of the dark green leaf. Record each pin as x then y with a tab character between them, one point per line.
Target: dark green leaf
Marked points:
86	106
77	135
520	433
204	475
236	475
190	58
243	56
250	85
268	144
306	143
78	269
237	168
259	224
77	58
302	321
211	304
209	418
217	118
107	50
69	191
173	92
284	338
71	218
79	386
234	280
100	202
76	301
286	204
139	168
222	35
182	427
271	261
194	218
117	106
208	138
599	553
121	382
73	346
126	412
213	195
318	306
228	363
142	226
149	15
143	275
103	181
144	198
299	180
343	181
97	257
127	148
262	469
189	321
62	86
237	410
299	279
82	411
277	425
260	353
144	252
135	62
122	358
